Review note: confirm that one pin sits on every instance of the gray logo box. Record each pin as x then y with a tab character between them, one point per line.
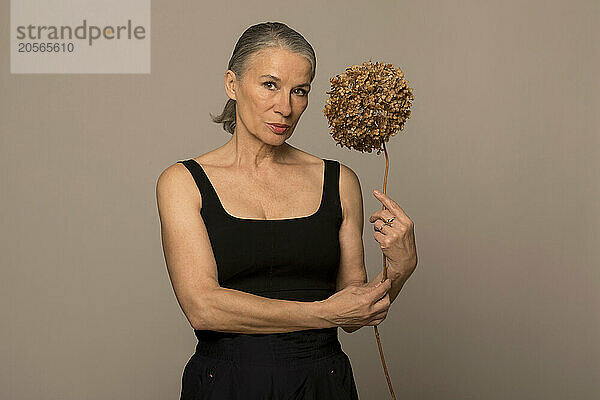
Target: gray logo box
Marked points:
80	36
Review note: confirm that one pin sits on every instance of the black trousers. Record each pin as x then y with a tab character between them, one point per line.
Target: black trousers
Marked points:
302	365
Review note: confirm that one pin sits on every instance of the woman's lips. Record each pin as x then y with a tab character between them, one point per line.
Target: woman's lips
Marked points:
277	129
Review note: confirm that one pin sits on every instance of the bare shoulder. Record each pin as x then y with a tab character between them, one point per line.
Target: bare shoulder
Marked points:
175	184
213	157
174	177
302	157
176	181
348	174
350	192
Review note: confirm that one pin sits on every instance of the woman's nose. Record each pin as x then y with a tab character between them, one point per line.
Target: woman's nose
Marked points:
283	104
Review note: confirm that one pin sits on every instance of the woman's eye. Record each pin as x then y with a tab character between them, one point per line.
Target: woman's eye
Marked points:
302	91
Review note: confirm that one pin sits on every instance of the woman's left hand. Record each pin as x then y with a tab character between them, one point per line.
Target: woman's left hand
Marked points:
394	231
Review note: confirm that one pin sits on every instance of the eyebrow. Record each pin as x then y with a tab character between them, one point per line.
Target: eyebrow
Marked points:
278	80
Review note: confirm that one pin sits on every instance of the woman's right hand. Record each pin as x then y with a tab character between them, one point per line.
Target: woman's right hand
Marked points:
359	305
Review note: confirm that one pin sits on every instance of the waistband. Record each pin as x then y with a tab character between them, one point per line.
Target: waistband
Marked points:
279	349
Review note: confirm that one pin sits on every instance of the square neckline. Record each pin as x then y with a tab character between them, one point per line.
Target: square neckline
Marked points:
240	219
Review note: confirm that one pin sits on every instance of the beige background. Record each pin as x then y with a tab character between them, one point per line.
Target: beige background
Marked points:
498	168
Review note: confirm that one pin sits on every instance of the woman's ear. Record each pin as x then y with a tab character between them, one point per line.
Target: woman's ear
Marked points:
230	84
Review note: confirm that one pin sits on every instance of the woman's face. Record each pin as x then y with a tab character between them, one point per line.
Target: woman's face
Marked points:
273	90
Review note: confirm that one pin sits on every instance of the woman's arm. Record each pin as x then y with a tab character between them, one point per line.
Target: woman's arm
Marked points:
352	264
193	271
229	310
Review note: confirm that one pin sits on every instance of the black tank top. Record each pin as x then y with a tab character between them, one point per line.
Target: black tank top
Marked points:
288	259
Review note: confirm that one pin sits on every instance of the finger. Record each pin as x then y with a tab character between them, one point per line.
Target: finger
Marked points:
381	306
382	313
385	200
390	204
384	215
381	290
378	284
380	238
379	225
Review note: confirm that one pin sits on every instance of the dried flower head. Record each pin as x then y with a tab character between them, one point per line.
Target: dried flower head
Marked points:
367	105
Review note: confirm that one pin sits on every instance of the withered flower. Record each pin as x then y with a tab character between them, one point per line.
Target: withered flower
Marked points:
367	105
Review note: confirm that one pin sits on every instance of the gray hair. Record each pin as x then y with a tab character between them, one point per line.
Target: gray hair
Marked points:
256	38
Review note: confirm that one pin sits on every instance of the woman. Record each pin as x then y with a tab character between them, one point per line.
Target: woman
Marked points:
263	242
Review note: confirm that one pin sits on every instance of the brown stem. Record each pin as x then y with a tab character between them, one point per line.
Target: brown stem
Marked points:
387	376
